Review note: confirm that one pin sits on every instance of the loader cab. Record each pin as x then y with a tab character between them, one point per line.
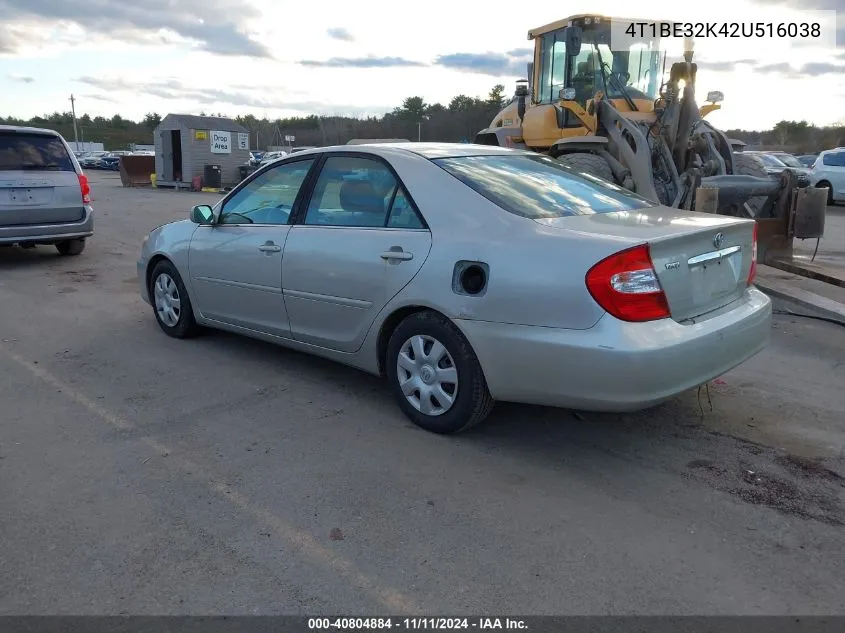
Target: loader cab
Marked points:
573	60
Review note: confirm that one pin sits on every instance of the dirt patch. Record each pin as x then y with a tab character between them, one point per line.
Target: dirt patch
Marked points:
812	468
792	485
80	276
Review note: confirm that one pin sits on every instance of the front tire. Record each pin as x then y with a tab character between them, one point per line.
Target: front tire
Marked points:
171	304
70	248
749	165
435	375
590	164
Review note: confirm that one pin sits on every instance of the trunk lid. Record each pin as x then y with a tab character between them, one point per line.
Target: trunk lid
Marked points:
38	180
701	260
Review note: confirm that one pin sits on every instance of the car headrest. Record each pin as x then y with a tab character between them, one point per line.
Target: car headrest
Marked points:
360	195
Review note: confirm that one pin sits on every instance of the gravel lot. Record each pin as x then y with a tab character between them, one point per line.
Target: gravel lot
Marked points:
144	475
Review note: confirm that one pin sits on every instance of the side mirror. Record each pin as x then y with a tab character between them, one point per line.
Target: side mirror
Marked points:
567	94
202	214
573	40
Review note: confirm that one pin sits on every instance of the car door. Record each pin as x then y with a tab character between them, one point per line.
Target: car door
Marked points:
834	172
359	241
235	264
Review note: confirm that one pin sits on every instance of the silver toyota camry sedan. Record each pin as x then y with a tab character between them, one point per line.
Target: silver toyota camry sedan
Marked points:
466	274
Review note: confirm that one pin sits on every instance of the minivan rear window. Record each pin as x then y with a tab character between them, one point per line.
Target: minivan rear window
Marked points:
536	186
25	151
834	159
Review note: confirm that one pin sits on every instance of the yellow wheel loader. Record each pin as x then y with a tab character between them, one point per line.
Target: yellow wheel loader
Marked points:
613	112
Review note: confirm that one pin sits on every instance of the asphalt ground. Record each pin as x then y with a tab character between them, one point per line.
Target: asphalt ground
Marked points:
145	475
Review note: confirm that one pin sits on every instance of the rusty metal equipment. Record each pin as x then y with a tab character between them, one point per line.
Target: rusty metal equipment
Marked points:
135	171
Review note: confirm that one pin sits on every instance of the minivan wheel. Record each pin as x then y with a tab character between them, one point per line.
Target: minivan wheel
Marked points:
825	183
71	247
435	375
171	304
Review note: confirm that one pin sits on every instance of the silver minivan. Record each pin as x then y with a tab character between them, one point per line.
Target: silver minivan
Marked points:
44	196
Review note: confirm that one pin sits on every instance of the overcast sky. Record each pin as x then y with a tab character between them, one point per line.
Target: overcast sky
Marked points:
282	58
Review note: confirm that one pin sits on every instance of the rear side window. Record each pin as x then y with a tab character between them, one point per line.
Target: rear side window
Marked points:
33	152
834	160
540	187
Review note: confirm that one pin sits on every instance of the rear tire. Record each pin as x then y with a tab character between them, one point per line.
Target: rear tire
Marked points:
590	164
435	375
69	248
749	165
171	304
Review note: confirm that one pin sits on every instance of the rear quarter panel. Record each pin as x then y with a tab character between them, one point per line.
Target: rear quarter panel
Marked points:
537	273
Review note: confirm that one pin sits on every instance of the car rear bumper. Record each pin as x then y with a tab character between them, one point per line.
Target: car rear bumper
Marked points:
49	233
616	366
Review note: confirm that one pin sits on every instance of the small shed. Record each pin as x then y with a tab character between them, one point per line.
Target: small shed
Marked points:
187	146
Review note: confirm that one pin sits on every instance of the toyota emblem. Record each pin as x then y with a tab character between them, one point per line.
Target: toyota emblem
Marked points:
718	239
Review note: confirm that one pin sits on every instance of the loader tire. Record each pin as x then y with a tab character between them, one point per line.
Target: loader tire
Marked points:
589	164
749	165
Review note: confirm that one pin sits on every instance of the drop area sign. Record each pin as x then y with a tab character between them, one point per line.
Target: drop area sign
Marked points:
221	142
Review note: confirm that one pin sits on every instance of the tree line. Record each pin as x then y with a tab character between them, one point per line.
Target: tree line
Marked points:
415	119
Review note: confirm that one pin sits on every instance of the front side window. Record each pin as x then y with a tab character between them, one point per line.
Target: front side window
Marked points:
22	151
536	187
269	197
361	192
552	67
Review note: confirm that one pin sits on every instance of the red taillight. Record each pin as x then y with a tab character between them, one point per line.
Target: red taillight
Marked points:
86	189
753	272
626	285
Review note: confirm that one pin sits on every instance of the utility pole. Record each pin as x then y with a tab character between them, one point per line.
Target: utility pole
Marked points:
73	112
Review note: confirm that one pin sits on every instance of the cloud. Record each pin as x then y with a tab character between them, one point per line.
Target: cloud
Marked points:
813	69
493	64
10	39
341	34
723	66
224	33
175	90
521	52
819	5
361	62
21	78
94	97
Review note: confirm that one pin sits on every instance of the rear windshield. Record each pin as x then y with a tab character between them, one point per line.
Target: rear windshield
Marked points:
33	152
539	187
771	161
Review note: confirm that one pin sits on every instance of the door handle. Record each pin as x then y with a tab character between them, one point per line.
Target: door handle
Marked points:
402	255
269	247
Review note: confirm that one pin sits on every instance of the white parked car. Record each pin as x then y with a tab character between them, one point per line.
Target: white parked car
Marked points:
829	171
269	157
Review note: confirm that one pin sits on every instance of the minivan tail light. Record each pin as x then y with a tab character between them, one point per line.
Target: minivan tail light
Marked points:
85	188
626	286
752	273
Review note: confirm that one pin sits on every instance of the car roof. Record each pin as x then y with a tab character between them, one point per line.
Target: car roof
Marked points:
425	150
26	128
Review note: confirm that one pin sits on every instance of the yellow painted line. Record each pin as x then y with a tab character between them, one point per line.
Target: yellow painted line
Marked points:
393	600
